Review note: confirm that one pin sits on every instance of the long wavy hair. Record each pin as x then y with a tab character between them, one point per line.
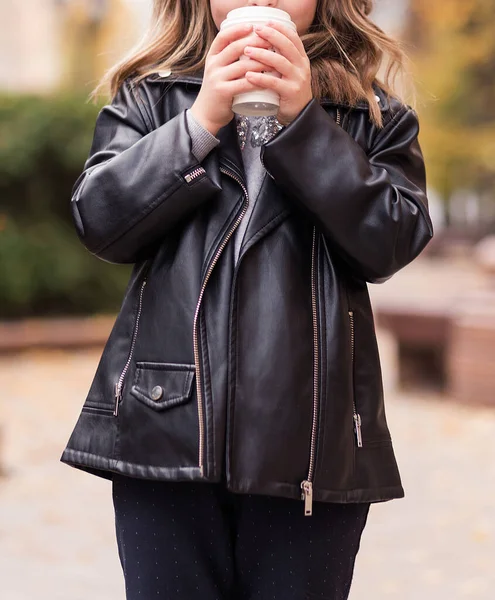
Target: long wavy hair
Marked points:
346	48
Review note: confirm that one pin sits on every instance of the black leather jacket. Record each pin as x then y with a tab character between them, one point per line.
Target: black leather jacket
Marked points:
264	373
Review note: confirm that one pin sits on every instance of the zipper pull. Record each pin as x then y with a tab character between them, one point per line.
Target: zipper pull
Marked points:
357	430
307	496
194	174
118	398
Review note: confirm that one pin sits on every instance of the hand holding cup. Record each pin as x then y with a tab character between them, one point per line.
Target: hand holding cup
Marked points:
265	101
293	64
224	75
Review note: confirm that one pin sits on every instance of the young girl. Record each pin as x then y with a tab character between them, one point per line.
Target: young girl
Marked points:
240	391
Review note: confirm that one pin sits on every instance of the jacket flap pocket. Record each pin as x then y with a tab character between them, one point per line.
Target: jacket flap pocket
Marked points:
163	385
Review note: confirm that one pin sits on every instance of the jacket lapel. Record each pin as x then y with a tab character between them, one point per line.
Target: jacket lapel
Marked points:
270	209
270	202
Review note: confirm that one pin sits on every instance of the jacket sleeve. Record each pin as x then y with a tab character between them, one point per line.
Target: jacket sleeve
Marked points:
372	207
136	185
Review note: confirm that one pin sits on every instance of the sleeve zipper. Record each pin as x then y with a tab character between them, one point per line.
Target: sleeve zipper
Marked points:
196	173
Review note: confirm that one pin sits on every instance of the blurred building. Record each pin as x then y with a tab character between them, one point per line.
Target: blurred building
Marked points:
45	44
391	14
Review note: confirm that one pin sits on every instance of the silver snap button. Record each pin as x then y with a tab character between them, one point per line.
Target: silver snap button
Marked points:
377	98
157	392
165	73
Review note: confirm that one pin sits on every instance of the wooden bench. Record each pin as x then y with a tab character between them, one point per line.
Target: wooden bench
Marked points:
451	350
67	333
471	352
422	335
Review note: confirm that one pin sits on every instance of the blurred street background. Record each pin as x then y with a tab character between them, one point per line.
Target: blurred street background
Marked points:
435	319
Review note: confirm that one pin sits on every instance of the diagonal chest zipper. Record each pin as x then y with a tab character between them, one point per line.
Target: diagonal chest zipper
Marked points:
197	361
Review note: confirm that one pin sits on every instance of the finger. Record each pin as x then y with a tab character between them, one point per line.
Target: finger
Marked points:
270	82
271	59
238	86
240	68
291	34
234	50
281	42
226	36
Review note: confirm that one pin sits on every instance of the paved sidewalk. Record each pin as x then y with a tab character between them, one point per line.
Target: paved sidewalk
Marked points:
56	523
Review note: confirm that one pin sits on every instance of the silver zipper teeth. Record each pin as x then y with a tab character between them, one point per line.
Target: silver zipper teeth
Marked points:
194	174
196	317
356	415
307	484
120	383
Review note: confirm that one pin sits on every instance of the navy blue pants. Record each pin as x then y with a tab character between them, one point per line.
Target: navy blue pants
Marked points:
197	541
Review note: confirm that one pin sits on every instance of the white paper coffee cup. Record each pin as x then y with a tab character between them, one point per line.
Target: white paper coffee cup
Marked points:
262	102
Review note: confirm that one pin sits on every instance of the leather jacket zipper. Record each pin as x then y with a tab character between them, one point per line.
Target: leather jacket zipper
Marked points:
120	383
307	484
195	174
201	409
356	415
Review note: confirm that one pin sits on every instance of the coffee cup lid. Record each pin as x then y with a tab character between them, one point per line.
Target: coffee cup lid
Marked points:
249	13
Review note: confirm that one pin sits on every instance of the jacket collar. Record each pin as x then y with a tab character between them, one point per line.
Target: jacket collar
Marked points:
197	79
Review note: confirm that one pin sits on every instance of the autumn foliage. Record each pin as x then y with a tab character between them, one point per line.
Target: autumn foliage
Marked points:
453	51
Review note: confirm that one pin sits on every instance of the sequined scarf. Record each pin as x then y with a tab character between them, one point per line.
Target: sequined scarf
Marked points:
256	130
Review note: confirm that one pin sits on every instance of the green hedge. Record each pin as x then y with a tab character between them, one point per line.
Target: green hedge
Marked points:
44	269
